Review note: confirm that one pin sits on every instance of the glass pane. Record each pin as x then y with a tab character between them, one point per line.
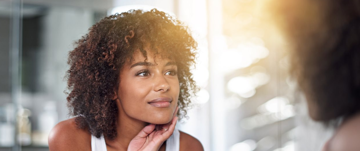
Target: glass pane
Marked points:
247	100
9	40
48	31
259	103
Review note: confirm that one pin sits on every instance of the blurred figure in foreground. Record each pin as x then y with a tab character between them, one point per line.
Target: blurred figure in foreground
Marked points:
325	40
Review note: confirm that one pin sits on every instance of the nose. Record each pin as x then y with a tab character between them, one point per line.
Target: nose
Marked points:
161	84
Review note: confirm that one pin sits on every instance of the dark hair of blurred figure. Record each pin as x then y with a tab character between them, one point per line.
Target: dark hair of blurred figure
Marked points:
325	55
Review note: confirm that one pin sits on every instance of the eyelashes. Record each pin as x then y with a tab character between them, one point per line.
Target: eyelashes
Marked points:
146	72
143	73
171	72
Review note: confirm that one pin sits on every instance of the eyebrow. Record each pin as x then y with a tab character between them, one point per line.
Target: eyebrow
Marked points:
171	63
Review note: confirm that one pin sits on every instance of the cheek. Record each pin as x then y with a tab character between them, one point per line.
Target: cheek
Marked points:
132	99
132	92
177	88
177	92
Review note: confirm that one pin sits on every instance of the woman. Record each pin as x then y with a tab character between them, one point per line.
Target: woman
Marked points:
127	78
326	61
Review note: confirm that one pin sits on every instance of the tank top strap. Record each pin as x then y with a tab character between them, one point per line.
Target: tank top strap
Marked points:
98	144
173	142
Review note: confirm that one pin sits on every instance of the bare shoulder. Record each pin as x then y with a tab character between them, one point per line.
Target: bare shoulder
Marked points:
66	136
347	136
188	142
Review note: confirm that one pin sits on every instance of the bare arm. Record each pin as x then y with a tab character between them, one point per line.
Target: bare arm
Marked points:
65	136
187	142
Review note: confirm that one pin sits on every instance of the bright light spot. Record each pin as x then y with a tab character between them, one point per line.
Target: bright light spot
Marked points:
272	106
234	59
202	96
266	143
233	102
245	86
247	145
251	143
260	78
278	107
243	56
276	104
289	146
198	21
256	69
253	51
256	121
248	94
240	147
287	112
241	85
274	110
201	76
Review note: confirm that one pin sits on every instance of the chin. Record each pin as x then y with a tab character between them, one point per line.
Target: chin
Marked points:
160	119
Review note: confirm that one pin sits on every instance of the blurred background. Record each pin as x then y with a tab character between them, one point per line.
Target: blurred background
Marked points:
247	101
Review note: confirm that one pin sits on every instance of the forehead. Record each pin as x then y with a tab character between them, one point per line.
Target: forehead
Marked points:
151	56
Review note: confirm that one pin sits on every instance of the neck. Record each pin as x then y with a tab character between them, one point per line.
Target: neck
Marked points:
127	129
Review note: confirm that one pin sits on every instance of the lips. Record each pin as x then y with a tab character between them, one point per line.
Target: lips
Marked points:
161	102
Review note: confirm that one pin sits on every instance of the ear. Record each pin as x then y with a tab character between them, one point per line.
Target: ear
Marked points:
115	96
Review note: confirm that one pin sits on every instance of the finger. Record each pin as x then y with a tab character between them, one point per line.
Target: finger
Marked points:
158	137
176	110
166	126
171	127
174	121
168	129
146	131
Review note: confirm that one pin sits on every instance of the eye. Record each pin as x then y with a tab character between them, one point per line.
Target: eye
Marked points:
171	73
143	73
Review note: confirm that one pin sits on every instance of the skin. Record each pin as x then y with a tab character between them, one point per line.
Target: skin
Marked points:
346	137
140	83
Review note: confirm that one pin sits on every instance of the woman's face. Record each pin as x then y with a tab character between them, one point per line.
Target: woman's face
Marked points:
148	91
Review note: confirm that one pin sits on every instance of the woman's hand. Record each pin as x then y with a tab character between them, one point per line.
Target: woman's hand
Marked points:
151	137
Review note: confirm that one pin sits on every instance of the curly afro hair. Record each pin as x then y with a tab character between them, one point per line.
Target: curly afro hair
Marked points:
96	62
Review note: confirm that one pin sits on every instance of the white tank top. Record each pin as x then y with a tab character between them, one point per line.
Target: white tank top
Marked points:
172	143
